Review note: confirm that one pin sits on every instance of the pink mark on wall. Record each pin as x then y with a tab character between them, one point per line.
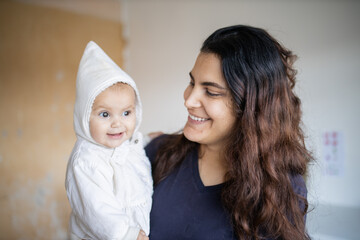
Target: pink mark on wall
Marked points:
333	153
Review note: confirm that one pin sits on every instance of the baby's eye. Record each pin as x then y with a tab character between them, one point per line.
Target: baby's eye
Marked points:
104	114
126	113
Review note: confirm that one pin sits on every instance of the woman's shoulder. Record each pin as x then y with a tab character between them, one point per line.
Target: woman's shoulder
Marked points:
299	188
298	184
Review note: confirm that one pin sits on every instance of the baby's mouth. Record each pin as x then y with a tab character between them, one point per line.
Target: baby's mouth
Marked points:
115	135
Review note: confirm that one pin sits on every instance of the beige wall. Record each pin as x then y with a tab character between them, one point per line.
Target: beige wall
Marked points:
40	49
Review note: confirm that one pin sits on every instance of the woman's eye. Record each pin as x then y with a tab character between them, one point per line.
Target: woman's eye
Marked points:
191	83
212	94
126	113
104	114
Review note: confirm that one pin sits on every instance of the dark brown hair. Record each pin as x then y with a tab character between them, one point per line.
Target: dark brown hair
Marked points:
266	146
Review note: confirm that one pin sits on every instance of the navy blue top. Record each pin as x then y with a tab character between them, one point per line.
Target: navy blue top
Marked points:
183	208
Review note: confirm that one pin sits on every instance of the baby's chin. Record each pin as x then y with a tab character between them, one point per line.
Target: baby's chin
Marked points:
114	143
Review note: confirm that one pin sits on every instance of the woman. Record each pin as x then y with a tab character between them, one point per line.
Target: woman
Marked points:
235	172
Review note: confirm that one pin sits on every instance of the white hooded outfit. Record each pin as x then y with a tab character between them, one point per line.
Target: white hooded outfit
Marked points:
109	189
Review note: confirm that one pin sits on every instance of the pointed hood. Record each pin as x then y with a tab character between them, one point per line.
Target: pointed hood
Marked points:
96	73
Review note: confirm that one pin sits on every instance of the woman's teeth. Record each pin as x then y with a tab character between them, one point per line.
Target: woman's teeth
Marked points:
197	118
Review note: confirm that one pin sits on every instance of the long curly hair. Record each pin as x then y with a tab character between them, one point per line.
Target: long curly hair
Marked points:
266	145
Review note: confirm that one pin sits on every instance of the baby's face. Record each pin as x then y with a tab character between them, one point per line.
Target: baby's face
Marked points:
113	118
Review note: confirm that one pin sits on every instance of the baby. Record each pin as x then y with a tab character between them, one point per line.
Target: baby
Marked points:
108	178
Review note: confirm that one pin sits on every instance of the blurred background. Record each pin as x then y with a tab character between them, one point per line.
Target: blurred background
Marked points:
156	42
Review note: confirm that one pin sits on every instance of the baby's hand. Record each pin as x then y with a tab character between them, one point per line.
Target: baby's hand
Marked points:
142	236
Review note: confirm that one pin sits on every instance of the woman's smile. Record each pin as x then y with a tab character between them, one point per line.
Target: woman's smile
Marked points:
197	119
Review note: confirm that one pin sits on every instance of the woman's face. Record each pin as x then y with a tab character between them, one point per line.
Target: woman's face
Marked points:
208	101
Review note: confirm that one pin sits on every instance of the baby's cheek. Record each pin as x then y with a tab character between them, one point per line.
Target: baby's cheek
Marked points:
131	122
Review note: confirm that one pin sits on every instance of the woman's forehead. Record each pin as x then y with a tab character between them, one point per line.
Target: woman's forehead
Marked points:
208	68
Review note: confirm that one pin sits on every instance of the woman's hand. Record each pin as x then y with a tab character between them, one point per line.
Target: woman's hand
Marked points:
153	135
142	236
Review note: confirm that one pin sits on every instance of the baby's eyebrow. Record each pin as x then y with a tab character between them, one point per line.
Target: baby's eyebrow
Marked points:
211	84
99	106
107	107
129	107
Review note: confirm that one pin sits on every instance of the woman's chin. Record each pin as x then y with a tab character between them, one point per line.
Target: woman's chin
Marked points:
191	135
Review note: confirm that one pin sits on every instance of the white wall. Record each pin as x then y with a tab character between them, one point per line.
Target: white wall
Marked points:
164	38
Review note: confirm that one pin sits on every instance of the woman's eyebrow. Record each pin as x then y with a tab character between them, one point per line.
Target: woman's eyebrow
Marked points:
211	84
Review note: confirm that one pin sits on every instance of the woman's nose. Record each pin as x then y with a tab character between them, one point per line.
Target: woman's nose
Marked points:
191	97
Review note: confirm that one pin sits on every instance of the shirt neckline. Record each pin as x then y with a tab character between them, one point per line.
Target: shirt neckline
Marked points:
196	174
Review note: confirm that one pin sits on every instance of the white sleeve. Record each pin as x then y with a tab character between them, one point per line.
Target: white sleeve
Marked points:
95	207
